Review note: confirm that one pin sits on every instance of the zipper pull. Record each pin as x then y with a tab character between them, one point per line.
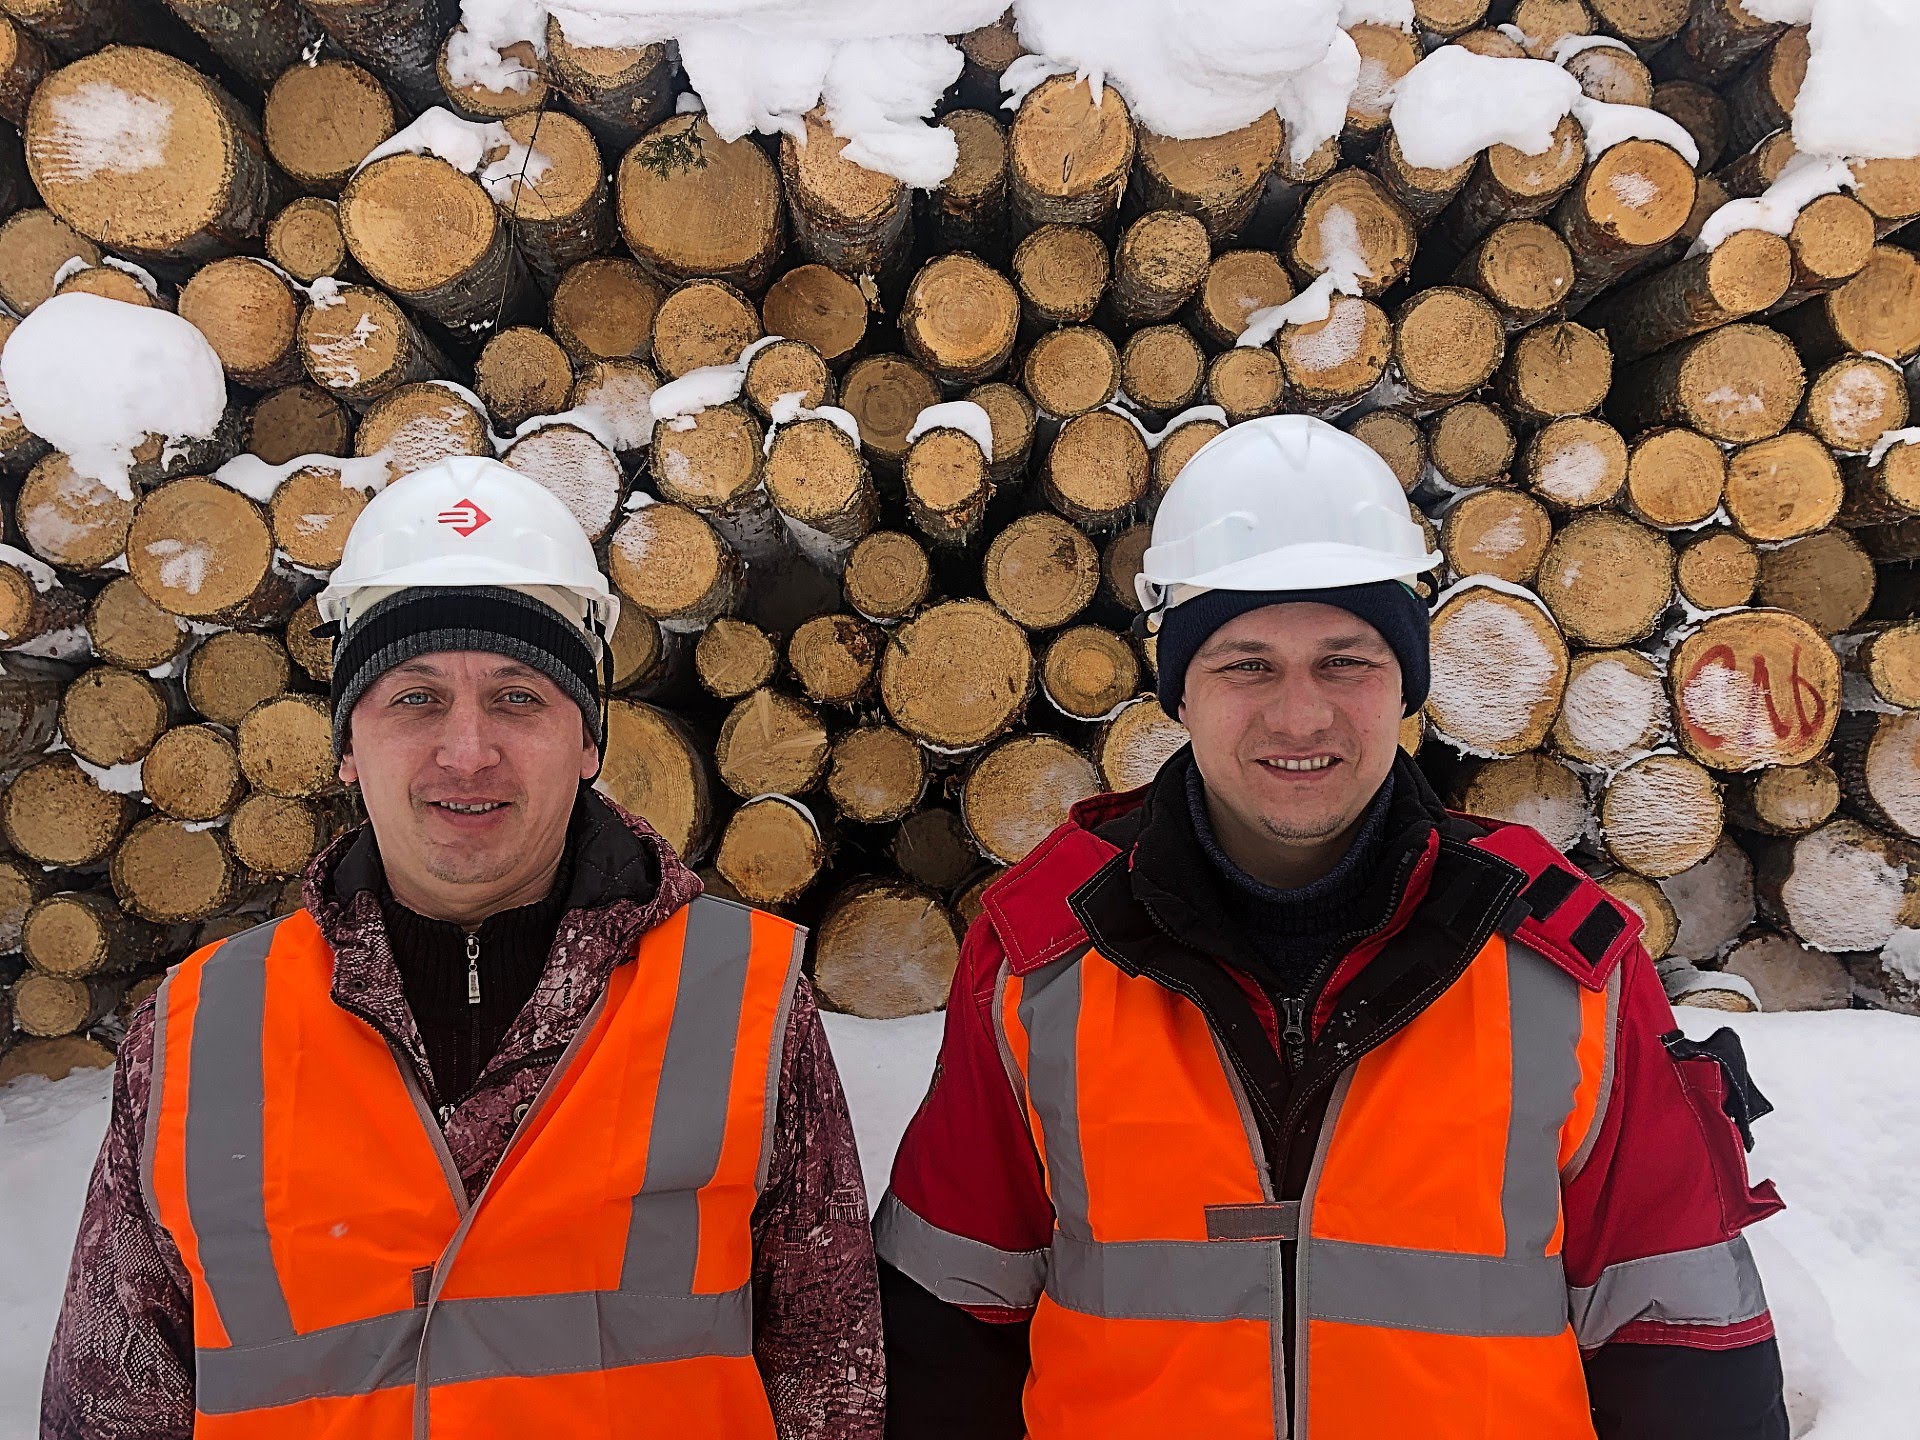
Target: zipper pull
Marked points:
473	969
1294	1037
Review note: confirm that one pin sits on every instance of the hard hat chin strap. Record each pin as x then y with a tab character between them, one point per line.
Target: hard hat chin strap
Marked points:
601	634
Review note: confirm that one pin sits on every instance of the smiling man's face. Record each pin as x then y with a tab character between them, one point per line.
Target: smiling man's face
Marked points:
468	763
1295	716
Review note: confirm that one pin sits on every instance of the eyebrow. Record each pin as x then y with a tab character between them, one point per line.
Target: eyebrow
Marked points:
1352	640
506	669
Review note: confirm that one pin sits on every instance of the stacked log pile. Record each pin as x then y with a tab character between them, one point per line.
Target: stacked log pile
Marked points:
872	651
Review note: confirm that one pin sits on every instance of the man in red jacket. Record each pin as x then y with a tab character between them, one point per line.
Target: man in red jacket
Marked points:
1277	1100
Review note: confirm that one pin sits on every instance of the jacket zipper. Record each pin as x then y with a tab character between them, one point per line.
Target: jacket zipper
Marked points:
473	969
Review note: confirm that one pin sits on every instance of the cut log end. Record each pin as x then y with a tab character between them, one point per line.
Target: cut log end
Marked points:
957	676
1020	790
885	950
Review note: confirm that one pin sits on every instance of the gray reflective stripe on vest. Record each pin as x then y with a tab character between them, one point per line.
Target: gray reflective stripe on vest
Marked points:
1050	1012
690	1108
952	1267
156	1070
226	1169
526	1335
1714	1285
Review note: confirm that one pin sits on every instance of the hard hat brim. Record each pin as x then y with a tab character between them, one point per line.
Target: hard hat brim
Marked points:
1316	566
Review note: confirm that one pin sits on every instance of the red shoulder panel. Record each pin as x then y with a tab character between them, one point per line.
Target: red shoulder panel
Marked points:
1028	907
1571	920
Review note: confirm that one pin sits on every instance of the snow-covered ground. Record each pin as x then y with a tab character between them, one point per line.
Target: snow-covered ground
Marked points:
1842	1265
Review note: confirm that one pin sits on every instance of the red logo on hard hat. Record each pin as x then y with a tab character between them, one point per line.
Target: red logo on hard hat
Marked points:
463	518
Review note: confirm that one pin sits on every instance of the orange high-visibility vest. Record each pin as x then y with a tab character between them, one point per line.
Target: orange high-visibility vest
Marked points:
1431	1299
344	1286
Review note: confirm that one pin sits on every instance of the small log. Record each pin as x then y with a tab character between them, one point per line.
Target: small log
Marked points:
1720	34
771	851
304	239
1842	887
364	346
787	367
565	215
621	91
1784	799
1876	312
1499	668
1713	901
22	885
1700	111
81	934
1161	368
603	309
836	658
1447	19
1508	184
1745	275
297	419
819	482
34	245
1760	98
1607	579
1096	470
957	676
1248	382
274	836
1556	370
1675	478
192	773
856	220
1061	272
1496	531
1396	439
139	204
702	323
673	564
1170	456
250	316
885	394
691	204
54	1058
169	872
1659	923
1612	76
56	1005
1523	267
1070	371
1782	488
1447	342
312	652
1329	364
1016	793
620	393
885	950
643	660
1387	53
1160	261
1887	657
24	63
1890	542
960	319
1350	212
1137	739
286	747
126	628
321	120
1787	976
1041	571
658	771
399	40
1890	189
1575	463
1216	179
204	551
1470	444
417	425
575	467
434	238
988	51
1826	579
713	466
111	716
1853	402
1717	570
945	480
1011	422
1421	191
111	282
1087	671
521	373
1628	203
1752	688
1737	384
877	775
887	576
29	709
230	673
525	88
1877	758
1831	242
1660	815
55	813
968	210
771	744
35	604
1615	708
820	306
1535	790
1069	153
931	847
1238	282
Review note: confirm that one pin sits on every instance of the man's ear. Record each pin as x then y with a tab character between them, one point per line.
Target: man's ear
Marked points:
349	772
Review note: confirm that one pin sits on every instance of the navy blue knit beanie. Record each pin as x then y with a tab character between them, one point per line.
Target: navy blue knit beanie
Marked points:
1388	606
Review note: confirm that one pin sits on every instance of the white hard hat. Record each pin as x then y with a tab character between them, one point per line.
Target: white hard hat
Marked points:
1285	502
469	520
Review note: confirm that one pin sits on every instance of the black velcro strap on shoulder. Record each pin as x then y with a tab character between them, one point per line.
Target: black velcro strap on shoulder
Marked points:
1549	891
1744	1103
1595	933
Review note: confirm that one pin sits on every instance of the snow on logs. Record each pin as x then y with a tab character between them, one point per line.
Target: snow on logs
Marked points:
872	467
